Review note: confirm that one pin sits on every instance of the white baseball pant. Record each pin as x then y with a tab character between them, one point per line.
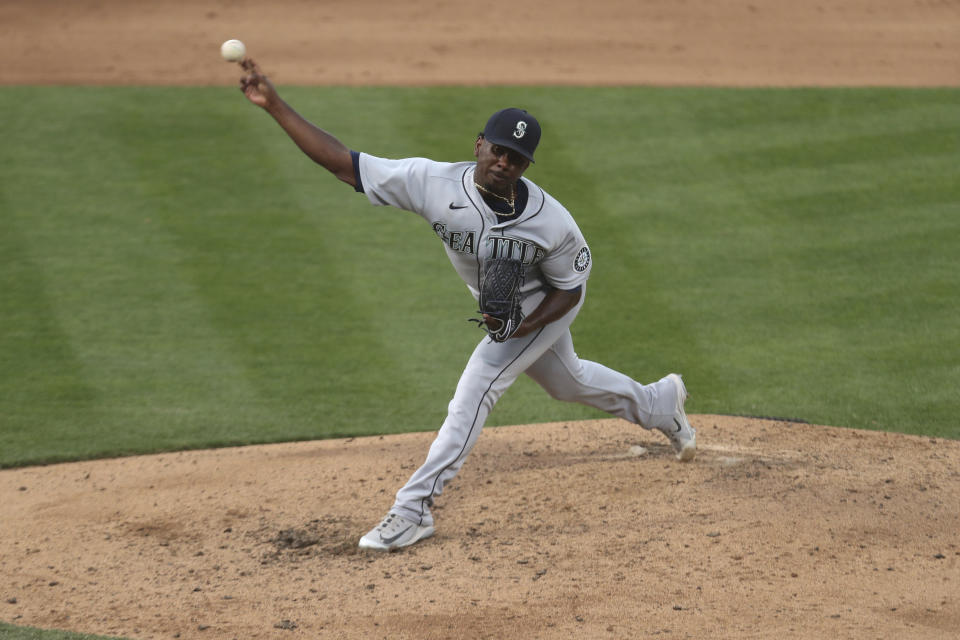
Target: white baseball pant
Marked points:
548	357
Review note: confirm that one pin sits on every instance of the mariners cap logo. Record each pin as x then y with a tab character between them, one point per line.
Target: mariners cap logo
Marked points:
514	129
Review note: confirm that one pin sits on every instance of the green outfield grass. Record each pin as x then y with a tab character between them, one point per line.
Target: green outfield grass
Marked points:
174	273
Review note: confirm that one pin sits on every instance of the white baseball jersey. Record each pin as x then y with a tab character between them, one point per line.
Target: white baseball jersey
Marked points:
544	235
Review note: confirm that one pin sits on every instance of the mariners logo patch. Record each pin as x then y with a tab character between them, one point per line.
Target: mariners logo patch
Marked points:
582	261
521	130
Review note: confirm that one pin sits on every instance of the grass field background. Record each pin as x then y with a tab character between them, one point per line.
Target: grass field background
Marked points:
174	273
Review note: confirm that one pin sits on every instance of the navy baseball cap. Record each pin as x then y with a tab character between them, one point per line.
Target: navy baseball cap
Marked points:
514	129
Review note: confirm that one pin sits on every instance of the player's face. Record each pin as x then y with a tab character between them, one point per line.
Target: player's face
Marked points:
498	168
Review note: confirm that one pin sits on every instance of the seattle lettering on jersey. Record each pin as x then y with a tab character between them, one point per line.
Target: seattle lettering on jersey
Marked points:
462	241
514	249
499	246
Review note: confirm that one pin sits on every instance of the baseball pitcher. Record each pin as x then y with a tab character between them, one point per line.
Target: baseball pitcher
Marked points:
523	257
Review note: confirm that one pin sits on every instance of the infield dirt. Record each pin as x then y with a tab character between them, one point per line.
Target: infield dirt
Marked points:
563	530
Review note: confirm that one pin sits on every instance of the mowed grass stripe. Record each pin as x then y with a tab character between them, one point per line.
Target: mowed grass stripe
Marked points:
40	375
817	255
118	292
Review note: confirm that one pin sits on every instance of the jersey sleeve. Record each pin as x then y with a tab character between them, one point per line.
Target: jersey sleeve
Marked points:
568	266
396	183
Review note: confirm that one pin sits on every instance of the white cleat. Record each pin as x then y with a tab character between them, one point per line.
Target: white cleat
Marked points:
682	436
395	532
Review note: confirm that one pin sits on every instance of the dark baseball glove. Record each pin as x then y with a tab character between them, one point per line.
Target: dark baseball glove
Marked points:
500	280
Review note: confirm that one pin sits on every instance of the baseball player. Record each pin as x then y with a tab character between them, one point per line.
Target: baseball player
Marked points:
480	210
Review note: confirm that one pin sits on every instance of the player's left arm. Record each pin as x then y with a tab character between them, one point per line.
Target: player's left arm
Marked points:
553	307
565	269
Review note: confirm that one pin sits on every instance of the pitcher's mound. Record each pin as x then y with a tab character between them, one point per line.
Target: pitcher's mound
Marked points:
563	530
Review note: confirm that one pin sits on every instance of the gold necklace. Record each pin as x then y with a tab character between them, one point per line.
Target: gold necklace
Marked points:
510	201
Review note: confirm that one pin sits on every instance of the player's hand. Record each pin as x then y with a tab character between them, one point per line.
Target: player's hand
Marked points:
493	323
256	86
496	323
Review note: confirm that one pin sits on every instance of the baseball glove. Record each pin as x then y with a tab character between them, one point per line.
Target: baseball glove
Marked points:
500	281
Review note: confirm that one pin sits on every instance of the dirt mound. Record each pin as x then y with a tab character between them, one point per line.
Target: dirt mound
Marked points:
584	529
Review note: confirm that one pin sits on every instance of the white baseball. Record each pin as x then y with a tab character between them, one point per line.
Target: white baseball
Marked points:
233	50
